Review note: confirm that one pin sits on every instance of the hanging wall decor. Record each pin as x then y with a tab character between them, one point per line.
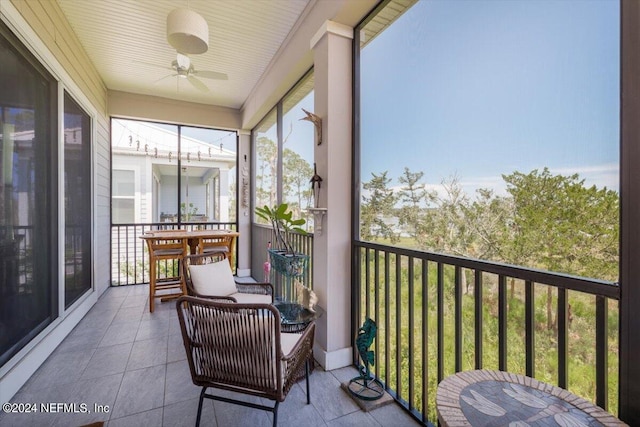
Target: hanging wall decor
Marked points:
317	122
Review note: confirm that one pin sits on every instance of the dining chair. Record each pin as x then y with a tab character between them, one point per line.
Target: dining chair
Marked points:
209	276
221	244
165	256
240	348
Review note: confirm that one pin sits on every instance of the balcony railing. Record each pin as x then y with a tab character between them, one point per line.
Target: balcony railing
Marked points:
438	314
129	256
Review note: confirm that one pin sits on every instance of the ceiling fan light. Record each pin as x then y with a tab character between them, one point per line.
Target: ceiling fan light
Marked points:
187	31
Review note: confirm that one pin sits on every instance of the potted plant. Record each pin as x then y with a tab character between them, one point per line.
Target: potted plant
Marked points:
284	260
283	223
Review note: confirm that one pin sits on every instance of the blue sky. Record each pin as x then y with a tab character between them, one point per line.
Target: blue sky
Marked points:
481	88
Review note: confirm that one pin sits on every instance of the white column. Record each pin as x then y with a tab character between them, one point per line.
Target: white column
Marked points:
243	197
332	50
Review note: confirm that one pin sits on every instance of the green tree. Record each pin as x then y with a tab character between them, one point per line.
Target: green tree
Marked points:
413	215
488	218
561	225
451	231
295	181
377	209
267	172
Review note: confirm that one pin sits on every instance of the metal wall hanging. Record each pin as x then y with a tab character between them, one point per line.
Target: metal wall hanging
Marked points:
317	122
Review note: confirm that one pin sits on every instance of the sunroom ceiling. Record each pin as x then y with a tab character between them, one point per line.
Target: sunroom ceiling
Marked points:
126	41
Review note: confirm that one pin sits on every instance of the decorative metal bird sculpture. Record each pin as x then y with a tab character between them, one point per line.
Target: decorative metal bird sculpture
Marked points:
317	122
316	180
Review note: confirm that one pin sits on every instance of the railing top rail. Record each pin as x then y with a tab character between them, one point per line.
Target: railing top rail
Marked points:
269	227
175	224
575	283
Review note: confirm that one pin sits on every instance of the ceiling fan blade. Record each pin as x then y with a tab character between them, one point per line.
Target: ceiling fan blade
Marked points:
197	84
164	67
211	75
165	77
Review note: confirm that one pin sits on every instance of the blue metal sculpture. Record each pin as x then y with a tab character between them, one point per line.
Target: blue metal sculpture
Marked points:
365	386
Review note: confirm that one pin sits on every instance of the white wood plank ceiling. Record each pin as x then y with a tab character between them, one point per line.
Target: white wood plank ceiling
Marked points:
126	41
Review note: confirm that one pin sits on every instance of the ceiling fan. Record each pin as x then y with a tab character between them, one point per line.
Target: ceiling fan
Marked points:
184	69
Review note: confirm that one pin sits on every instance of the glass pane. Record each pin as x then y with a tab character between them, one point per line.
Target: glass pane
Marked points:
505	131
77	206
123	183
123	211
266	137
208	177
297	152
150	151
27	197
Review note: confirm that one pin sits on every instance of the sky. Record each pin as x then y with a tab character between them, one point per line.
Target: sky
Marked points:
476	89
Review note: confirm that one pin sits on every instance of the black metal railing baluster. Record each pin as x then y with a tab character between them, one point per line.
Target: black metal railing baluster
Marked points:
367	283
399	325
425	339
119	258
502	323
440	315
356	299
127	277
602	353
530	328
410	302
478	311
387	321
376	299
458	318
563	344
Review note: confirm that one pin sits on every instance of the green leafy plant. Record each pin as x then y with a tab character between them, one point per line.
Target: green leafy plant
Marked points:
188	212
283	223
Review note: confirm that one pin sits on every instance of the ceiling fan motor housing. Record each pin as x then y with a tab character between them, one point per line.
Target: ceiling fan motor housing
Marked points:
187	31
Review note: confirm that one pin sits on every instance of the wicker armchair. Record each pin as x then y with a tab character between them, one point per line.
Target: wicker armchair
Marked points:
218	282
239	347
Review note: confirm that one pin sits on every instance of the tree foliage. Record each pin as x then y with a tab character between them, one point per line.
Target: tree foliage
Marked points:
546	221
377	209
266	171
559	224
295	177
295	181
413	216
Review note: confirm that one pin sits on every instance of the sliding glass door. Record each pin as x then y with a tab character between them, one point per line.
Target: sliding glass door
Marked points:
28	206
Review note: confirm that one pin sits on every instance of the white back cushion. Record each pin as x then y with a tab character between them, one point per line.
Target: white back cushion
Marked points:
214	279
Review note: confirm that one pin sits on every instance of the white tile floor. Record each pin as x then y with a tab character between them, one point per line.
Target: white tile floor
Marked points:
122	357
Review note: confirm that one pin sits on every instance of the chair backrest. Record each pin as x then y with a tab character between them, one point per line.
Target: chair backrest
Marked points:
233	346
222	244
198	259
166	247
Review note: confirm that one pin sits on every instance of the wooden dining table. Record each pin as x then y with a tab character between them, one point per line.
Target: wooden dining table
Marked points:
195	237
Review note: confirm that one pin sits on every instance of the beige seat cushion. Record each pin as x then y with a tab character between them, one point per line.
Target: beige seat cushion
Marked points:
288	341
243	298
214	279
